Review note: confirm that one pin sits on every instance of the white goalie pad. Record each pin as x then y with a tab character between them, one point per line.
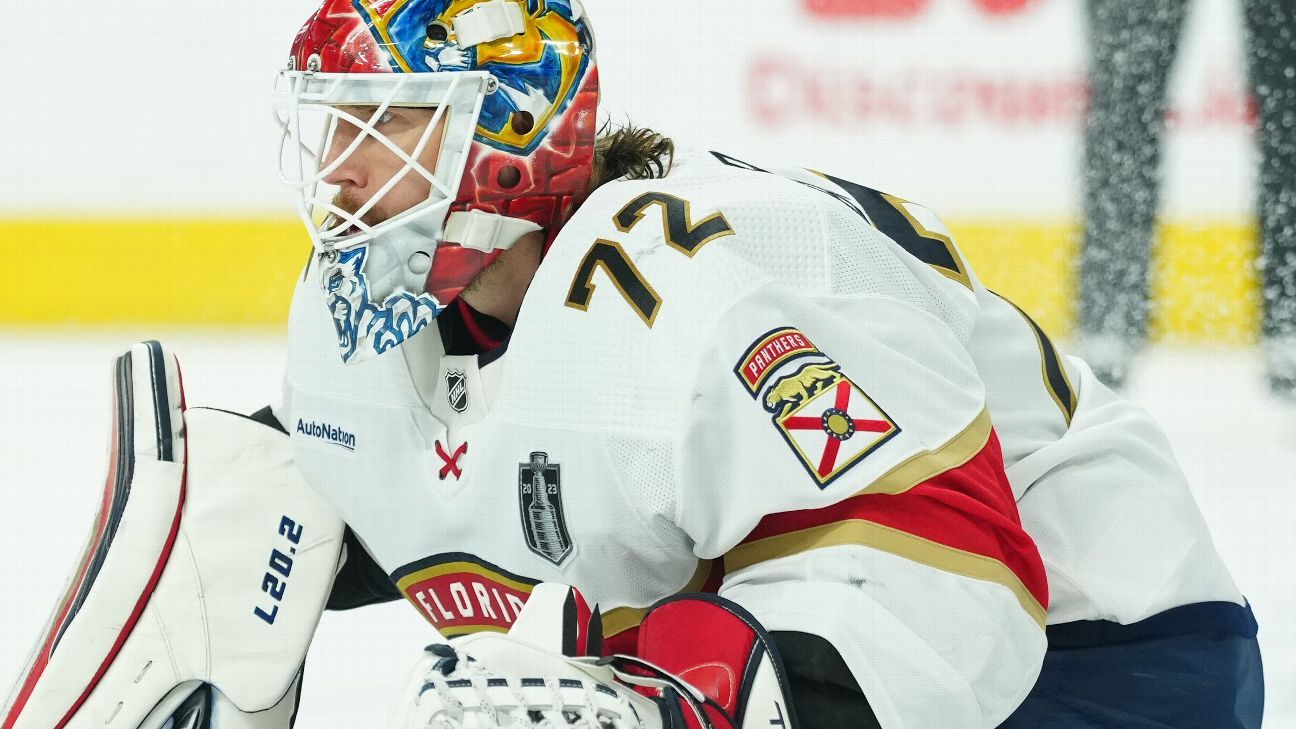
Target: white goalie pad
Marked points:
206	570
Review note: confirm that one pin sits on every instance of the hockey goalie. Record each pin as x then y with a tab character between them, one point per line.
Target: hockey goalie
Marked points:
798	466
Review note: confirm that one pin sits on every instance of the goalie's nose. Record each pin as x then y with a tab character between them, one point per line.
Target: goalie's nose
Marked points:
349	174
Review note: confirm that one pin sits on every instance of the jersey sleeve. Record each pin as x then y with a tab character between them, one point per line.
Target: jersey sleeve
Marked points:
839	457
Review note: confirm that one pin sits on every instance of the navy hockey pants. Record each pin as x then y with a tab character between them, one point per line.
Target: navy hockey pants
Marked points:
1192	667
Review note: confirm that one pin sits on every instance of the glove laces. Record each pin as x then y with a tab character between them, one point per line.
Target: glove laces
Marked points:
460	693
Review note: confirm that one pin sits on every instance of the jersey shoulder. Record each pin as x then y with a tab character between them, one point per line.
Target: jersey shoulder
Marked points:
640	278
820	234
631	289
719	216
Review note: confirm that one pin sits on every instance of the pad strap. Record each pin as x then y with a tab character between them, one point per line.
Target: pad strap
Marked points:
486	232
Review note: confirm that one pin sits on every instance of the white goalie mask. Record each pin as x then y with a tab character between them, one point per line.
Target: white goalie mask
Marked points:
374	272
505	93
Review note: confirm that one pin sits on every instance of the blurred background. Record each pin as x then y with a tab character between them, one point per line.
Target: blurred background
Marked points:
139	201
140	157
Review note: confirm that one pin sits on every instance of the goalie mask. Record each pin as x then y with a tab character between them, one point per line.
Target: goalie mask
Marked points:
495	103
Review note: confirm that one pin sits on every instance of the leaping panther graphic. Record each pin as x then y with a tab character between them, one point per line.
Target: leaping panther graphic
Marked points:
789	392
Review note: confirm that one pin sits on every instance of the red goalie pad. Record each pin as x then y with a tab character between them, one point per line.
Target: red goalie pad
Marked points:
719	649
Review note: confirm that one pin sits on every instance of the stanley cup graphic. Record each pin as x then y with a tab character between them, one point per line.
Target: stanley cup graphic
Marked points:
542	515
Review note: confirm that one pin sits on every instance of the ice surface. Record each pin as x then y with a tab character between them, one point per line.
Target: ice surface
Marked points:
1237	445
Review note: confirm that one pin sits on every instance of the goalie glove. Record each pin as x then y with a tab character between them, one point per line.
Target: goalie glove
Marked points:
202	581
538	675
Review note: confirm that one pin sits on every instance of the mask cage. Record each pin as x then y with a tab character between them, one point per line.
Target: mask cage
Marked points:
309	106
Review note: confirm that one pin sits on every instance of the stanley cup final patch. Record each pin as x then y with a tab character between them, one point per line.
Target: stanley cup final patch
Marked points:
827	420
544	522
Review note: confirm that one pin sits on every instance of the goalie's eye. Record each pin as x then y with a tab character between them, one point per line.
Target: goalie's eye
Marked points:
369	115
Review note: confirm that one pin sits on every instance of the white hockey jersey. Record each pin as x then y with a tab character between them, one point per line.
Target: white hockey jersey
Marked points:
733	377
1096	481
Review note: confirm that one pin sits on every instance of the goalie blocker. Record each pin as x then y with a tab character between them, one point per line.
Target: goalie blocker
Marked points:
204	577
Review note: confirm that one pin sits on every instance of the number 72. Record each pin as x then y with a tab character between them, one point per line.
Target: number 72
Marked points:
681	234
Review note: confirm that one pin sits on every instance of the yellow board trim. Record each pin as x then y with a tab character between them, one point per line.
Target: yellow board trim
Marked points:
859	532
238	270
220	271
1205	286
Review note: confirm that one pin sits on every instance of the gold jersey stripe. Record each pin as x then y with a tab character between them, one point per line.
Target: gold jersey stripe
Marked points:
621	619
471	568
863	533
459	630
926	465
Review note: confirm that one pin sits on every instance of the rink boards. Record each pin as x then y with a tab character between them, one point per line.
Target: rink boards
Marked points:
239	272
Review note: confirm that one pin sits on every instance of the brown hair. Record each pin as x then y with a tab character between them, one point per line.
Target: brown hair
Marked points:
629	151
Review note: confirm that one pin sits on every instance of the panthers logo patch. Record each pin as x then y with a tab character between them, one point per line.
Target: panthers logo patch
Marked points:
827	420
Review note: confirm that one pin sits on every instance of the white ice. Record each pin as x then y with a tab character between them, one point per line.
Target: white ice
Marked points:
1237	444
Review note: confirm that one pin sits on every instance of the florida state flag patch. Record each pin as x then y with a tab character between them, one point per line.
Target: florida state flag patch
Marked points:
827	420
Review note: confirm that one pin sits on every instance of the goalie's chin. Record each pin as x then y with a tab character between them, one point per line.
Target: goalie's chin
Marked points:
456	269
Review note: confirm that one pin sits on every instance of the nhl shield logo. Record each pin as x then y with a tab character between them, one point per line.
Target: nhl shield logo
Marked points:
544	522
456	390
